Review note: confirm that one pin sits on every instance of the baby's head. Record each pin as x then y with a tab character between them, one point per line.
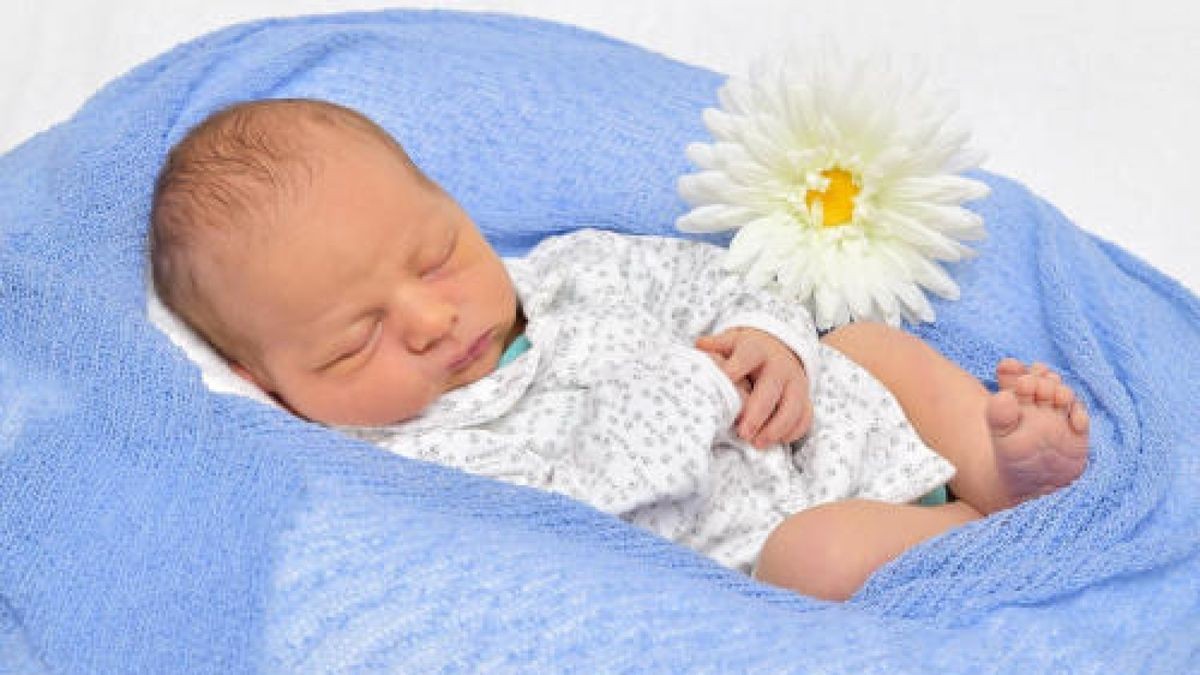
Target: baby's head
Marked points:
298	238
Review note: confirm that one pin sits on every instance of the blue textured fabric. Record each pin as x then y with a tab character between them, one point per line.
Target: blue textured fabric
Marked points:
147	525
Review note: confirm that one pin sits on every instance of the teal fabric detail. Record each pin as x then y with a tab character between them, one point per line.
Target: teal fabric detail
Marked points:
936	497
517	348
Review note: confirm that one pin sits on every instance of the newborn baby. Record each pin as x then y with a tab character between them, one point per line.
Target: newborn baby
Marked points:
300	240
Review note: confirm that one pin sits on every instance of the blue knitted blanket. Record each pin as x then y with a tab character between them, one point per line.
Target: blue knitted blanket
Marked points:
148	525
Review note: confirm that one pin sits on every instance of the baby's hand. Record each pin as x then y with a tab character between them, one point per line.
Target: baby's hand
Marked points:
774	386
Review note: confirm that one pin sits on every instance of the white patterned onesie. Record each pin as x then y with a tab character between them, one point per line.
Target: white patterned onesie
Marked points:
612	404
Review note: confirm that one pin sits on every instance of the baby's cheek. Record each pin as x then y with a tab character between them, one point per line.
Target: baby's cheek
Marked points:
338	401
400	391
411	400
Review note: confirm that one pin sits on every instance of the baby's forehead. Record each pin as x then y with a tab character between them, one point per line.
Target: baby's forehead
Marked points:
280	155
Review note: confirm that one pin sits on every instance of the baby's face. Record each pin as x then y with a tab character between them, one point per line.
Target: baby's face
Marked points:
372	296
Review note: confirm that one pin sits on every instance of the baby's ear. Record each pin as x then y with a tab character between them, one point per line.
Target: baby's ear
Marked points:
262	384
246	374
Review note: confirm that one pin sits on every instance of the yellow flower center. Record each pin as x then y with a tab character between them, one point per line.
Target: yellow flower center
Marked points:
837	201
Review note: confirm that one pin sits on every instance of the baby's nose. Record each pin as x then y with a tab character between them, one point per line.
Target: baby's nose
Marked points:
427	320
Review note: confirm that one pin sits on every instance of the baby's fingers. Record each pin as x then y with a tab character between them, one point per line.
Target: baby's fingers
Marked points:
803	425
721	343
758	409
742	385
791	419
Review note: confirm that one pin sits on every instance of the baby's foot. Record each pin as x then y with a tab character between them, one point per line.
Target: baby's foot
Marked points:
1009	370
1039	431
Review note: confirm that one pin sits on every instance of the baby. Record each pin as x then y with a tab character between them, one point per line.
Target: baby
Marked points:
631	373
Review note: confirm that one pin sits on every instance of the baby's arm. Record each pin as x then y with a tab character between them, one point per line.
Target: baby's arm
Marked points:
683	283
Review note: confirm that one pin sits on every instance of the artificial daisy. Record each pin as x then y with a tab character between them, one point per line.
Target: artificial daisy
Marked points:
843	182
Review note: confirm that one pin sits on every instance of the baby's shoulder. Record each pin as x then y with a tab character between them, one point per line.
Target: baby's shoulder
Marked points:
583	239
596	245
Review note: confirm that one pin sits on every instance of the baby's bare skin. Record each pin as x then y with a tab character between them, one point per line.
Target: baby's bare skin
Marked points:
1024	441
1039	431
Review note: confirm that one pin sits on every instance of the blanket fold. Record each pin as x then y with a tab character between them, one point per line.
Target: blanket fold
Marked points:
149	525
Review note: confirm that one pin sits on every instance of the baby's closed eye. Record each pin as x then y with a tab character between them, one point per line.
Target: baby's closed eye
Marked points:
360	347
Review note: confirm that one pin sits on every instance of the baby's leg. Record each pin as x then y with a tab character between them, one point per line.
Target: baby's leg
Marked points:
829	551
1026	440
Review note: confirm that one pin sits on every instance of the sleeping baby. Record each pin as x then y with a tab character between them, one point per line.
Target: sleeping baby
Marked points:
628	372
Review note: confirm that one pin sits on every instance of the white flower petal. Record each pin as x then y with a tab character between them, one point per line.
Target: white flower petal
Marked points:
796	275
889	165
715	218
710	187
885	299
942	189
747	245
914	304
857	296
764	150
736	96
777	132
702	155
934	278
926	239
964	160
831	308
724	127
953	220
731	158
935	154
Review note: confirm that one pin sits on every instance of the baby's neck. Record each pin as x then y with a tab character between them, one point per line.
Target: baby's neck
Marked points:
518	328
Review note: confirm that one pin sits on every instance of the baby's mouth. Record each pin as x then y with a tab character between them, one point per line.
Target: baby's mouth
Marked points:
473	352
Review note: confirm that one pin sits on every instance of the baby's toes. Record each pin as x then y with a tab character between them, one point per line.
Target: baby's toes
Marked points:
1045	391
1042	370
1025	387
1064	396
1007	372
1078	418
1003	413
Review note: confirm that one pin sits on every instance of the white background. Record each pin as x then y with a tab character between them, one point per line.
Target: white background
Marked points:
1094	105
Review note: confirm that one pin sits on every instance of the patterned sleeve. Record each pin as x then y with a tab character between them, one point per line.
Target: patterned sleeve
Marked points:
682	282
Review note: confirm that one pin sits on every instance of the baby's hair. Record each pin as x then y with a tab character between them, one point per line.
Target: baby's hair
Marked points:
227	177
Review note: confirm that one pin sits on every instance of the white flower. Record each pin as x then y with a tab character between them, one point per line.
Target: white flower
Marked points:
843	179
